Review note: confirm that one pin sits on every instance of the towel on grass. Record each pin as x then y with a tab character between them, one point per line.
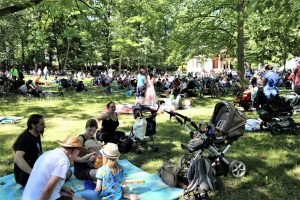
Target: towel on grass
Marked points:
9	119
153	188
252	125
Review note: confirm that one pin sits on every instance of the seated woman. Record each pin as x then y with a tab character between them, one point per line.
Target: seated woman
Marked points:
91	128
86	170
110	123
33	89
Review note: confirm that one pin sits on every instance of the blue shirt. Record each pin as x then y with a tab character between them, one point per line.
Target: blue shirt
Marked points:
141	80
111	184
272	79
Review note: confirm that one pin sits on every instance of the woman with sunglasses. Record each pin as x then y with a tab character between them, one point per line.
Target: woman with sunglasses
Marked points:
110	123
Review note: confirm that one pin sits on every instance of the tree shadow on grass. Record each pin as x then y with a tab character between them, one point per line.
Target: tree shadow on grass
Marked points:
265	182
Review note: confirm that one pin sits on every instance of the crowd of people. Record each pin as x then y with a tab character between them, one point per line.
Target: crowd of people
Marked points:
43	174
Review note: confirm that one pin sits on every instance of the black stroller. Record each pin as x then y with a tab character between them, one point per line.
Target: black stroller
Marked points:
147	114
215	138
276	114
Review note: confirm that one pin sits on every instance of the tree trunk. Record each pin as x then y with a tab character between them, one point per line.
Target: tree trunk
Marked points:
241	44
120	62
18	7
67	54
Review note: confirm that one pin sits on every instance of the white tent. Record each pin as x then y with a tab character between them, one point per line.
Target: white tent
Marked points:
290	64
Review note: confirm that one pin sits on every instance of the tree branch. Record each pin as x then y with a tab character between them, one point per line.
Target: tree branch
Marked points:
18	7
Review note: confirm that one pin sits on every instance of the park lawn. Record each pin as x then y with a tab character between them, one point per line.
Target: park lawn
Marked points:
272	161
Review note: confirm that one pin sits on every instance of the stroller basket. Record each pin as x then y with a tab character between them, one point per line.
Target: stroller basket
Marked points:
229	123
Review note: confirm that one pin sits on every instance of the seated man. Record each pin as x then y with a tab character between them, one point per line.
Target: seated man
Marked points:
28	148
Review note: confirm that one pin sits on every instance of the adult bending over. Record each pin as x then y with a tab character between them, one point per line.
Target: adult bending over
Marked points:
28	148
110	123
270	82
49	173
83	169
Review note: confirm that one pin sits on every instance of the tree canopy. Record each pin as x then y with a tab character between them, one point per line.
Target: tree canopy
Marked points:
162	33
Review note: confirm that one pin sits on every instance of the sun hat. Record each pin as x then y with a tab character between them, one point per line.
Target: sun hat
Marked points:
111	151
70	141
90	144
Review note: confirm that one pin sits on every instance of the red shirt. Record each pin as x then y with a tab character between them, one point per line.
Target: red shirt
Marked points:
297	76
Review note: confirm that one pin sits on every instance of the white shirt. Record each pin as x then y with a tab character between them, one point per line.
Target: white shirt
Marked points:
50	163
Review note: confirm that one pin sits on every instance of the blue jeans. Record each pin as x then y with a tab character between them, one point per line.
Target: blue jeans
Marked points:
89	194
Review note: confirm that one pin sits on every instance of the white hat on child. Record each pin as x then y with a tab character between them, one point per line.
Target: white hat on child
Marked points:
111	151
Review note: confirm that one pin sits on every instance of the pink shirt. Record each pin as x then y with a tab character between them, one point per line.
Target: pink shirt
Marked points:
297	76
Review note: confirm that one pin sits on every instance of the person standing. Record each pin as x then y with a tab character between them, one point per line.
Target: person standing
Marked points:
14	73
49	173
45	71
28	148
296	79
141	87
39	72
150	95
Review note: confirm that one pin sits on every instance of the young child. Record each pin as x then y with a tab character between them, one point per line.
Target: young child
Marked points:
109	178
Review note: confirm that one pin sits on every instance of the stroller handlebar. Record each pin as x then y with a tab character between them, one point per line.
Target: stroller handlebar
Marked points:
186	119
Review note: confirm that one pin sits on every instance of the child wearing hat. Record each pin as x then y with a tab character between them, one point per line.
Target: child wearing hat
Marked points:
109	178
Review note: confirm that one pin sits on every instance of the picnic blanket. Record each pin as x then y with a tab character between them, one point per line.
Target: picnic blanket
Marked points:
9	119
153	188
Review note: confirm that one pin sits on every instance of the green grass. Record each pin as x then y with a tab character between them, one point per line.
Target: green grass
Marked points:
272	161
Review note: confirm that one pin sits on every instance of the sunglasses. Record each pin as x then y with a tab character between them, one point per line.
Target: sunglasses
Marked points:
112	106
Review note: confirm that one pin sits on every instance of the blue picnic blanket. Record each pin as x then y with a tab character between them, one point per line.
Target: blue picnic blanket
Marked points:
9	119
153	188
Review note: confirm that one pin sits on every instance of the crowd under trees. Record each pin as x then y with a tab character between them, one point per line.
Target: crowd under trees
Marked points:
128	33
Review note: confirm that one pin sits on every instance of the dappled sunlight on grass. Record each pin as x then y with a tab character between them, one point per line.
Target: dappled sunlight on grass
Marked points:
272	161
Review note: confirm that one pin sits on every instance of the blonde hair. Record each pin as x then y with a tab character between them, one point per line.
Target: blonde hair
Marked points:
111	164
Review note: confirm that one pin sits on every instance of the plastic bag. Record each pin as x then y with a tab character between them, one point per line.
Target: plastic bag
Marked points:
139	128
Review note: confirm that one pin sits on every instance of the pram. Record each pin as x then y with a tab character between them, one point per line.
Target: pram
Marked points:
226	126
146	133
276	113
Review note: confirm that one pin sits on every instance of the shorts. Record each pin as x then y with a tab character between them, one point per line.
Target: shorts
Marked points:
82	173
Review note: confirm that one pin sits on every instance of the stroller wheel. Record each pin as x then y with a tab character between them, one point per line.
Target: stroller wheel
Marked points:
138	151
275	130
237	168
263	126
296	129
155	149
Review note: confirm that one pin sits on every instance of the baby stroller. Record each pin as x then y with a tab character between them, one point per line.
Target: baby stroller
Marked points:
215	138
276	113
144	129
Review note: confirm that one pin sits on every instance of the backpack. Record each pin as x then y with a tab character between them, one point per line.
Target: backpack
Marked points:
125	144
169	173
201	175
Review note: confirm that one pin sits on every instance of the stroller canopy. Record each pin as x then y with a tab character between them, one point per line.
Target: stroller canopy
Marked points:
229	123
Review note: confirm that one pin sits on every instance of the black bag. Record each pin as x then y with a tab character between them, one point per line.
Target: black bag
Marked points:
169	173
125	144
